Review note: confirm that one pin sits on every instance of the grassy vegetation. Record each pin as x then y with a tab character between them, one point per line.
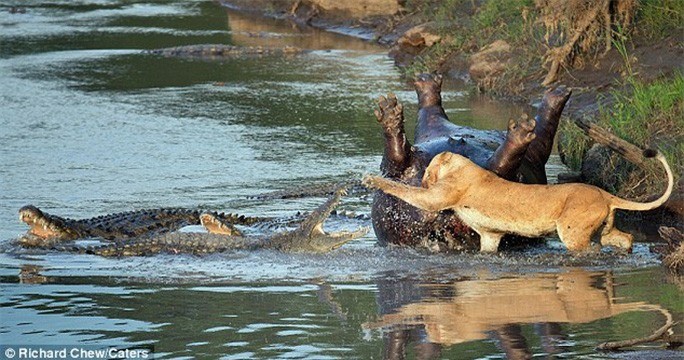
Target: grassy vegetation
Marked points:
658	19
466	27
574	143
648	115
647	110
558	33
501	20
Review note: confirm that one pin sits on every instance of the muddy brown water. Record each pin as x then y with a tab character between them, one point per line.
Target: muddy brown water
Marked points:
91	126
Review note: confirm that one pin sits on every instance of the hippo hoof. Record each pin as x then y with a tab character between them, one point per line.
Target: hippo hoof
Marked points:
390	113
521	132
427	79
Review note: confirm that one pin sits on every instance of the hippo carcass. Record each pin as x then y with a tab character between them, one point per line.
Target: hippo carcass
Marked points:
519	154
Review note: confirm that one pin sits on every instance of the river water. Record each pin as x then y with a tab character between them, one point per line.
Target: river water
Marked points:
91	126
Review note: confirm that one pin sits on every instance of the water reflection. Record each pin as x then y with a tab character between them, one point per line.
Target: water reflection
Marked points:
566	314
249	30
432	316
69	25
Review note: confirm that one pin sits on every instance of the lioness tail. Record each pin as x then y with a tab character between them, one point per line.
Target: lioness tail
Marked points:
618	203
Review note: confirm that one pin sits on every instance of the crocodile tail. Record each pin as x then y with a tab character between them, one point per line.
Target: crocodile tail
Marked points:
619	203
102	250
137	247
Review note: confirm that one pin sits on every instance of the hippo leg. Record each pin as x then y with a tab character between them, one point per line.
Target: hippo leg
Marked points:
508	156
523	155
393	220
432	122
512	341
548	118
397	156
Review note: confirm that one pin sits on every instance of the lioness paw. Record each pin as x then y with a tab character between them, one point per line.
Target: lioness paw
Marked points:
370	182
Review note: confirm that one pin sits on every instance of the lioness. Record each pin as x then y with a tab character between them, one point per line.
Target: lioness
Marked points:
493	206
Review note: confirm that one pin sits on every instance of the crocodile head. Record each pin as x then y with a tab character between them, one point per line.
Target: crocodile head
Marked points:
310	236
43	226
215	225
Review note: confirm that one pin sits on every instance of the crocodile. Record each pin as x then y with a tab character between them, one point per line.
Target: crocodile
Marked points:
309	236
210	51
47	229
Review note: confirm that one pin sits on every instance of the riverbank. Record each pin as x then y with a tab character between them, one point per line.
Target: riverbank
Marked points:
515	50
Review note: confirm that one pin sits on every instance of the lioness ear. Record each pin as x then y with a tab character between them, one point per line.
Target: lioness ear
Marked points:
432	171
429	178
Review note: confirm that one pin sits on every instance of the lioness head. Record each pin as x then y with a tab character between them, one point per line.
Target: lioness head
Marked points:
441	165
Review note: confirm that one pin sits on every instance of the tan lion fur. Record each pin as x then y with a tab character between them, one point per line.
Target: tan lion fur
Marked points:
493	206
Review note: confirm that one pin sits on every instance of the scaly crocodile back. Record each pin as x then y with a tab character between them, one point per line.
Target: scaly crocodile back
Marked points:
175	243
136	223
153	221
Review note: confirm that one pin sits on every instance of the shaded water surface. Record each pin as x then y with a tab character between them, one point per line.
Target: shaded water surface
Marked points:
92	126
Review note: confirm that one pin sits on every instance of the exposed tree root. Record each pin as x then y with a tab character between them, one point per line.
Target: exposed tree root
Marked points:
580	27
630	152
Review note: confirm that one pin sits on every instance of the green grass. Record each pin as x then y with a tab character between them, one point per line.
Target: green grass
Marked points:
446	13
659	19
574	144
645	108
501	20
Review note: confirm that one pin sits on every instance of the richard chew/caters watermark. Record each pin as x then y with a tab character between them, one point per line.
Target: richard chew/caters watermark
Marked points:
83	352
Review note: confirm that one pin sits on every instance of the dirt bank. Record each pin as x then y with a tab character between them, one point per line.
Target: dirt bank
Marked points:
500	49
365	20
